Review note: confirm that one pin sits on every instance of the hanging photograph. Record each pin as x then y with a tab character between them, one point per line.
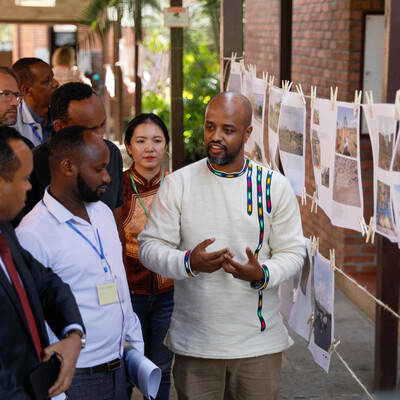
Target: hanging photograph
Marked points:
301	310
323	332
385	152
254	147
275	100
235	78
335	150
292	140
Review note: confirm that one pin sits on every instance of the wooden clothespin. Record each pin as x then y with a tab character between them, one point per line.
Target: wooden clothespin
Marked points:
242	66
370	231
357	101
361	222
332	258
333	97
333	346
271	83
311	319
314	205
294	295
312	250
313	96
301	94
396	102
233	57
286	85
265	80
303	194
370	101
314	244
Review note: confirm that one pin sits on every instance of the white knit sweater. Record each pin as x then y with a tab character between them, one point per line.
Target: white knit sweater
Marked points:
215	315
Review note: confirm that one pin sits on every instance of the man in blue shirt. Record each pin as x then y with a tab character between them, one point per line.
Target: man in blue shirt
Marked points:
37	83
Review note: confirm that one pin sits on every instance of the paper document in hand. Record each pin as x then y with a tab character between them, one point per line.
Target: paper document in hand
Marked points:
144	374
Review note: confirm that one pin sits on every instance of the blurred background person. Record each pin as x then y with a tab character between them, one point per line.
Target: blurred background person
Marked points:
64	66
146	141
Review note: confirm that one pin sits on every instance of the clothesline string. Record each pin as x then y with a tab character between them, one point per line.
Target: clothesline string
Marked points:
354	375
379	302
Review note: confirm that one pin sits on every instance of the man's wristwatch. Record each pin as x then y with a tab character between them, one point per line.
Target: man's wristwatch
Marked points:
257	285
80	333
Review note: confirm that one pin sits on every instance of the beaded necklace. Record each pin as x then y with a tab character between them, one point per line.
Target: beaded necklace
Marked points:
137	192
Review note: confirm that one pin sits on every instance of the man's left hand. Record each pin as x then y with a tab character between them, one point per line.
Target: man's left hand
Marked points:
67	351
251	271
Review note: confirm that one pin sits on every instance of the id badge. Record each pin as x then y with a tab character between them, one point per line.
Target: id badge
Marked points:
107	293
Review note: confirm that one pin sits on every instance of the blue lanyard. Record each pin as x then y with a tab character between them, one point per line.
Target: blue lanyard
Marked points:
32	127
100	253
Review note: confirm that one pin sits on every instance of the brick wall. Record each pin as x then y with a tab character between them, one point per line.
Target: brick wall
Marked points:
327	50
29	37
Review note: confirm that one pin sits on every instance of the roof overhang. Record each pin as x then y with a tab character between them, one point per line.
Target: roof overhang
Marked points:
65	11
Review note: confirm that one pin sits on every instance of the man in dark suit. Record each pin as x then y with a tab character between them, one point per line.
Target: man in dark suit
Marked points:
24	342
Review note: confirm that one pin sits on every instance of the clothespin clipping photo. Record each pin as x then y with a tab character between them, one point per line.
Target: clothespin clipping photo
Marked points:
370	102
265	79
357	101
333	97
301	94
271	83
313	96
332	259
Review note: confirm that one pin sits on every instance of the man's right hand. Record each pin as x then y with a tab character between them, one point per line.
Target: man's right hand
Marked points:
201	261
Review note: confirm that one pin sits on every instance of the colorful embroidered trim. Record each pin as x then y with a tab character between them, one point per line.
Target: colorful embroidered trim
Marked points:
268	191
260	211
249	190
225	175
187	265
260	297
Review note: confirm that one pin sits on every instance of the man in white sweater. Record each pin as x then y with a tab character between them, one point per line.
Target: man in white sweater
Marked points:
229	232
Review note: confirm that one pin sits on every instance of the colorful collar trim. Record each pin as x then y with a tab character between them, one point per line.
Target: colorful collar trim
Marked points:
229	175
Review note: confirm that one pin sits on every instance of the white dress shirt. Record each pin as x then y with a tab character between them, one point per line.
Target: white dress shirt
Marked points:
44	232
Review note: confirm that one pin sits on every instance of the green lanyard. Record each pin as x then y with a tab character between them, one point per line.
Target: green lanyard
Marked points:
134	186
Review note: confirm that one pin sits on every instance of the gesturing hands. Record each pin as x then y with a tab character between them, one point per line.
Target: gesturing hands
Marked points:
201	261
251	271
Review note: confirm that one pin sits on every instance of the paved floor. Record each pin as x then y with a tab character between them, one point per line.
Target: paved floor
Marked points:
302	378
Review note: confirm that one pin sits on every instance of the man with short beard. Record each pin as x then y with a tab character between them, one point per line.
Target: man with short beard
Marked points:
10	97
75	234
228	231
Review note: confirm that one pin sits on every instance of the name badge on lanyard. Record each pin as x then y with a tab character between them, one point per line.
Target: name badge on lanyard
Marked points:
107	293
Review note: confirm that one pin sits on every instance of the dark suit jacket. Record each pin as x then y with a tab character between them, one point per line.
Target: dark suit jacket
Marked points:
50	300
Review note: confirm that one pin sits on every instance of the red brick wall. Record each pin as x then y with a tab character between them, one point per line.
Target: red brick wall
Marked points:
27	38
261	34
327	50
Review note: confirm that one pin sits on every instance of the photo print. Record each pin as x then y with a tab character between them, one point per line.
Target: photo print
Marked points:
386	129
383	216
346	182
275	100
335	150
235	78
323	331
292	140
346	132
302	308
254	147
385	152
316	149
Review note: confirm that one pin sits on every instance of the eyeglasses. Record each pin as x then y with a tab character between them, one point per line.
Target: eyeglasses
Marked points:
7	95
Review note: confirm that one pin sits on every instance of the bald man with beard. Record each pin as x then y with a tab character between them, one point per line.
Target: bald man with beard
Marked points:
228	231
